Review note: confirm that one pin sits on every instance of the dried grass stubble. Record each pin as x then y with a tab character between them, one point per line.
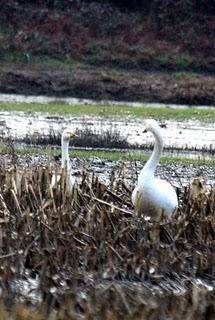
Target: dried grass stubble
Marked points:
72	242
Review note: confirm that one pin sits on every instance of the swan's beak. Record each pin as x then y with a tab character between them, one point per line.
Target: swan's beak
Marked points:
72	135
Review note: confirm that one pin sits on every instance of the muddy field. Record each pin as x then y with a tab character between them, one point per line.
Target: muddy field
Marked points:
87	255
190	139
178	174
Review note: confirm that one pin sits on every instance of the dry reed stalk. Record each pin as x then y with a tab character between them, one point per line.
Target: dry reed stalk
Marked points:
70	243
16	202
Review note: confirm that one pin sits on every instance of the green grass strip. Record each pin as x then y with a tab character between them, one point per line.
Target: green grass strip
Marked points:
111	155
124	111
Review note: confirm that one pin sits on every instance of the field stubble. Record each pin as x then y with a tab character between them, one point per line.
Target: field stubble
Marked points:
90	257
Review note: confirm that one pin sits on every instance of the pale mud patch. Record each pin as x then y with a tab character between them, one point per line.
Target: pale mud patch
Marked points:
187	136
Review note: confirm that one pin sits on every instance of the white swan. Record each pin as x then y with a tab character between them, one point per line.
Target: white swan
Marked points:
67	134
153	196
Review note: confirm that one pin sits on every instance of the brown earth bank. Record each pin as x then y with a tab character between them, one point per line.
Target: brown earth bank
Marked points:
100	50
106	83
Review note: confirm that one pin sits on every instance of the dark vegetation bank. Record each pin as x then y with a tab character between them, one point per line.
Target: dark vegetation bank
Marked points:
123	50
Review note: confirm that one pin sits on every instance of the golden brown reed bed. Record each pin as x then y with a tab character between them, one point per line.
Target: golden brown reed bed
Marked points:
92	258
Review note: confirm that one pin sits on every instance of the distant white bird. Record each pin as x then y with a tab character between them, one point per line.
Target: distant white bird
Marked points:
154	196
65	161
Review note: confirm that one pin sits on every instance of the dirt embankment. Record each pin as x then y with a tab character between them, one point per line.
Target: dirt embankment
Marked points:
105	53
100	83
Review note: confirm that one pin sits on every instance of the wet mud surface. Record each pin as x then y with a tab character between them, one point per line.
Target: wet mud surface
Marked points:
179	175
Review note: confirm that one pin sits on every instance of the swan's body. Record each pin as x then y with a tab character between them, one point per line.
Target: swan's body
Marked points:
154	196
65	161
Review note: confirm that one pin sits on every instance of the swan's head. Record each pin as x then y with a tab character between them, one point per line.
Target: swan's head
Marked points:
151	125
68	134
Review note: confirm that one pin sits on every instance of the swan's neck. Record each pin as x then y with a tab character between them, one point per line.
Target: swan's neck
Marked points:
150	166
64	153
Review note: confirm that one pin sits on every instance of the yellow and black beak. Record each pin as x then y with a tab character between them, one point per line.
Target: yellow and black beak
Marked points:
72	135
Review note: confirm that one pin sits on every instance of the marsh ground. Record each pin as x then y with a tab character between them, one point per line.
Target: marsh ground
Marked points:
88	256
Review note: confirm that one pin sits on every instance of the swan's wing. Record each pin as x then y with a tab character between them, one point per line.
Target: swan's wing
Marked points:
155	197
134	197
71	180
166	196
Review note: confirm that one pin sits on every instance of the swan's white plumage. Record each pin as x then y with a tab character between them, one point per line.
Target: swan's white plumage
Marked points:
65	161
153	196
